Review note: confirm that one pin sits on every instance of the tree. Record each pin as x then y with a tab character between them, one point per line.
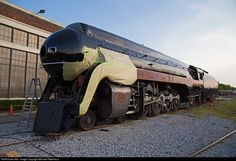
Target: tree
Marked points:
224	87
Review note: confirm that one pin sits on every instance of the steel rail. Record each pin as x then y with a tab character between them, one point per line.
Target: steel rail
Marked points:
212	144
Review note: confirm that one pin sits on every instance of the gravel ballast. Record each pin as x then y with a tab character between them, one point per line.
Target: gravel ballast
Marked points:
168	135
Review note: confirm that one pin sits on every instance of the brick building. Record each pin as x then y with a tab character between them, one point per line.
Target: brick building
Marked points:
21	35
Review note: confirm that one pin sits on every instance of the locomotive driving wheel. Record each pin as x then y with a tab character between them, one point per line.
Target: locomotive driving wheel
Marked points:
192	102
87	121
156	109
176	101
168	102
175	105
168	106
120	119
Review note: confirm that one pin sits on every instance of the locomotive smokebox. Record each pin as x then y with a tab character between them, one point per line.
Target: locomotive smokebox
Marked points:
61	47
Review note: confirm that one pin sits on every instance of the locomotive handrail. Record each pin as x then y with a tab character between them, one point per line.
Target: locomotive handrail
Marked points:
54	63
202	70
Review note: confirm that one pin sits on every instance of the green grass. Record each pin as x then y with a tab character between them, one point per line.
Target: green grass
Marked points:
5	104
223	109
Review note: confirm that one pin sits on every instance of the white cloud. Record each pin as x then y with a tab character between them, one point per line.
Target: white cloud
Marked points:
206	39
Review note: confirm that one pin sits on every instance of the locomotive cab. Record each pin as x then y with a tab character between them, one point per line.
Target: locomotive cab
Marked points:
193	72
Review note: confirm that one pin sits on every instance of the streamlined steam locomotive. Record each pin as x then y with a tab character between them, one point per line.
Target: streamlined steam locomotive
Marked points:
96	75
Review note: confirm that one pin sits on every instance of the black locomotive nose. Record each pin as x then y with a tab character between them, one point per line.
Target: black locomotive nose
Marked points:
61	47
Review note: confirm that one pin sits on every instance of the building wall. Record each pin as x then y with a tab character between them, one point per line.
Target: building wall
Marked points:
21	35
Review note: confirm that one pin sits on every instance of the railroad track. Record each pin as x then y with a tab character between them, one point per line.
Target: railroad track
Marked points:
212	144
101	127
52	136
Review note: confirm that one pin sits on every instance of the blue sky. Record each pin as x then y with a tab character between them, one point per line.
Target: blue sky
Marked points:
197	32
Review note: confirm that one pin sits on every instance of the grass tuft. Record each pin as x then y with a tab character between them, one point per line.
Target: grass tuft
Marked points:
223	108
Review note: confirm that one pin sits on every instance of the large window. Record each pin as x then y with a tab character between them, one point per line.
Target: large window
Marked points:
4	71
17	68
5	33
41	74
20	37
33	41
31	68
17	73
41	41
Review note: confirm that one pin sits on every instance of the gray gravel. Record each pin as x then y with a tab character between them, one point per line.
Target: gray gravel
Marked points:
26	150
9	128
8	124
168	135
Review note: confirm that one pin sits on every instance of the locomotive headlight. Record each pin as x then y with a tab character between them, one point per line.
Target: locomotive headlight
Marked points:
52	50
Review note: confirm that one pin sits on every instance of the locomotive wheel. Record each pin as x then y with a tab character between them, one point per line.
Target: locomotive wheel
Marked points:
168	106
149	109
193	103
175	105
120	119
145	110
168	102
198	101
156	109
87	122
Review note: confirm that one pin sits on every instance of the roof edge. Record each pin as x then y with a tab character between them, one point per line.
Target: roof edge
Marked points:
31	13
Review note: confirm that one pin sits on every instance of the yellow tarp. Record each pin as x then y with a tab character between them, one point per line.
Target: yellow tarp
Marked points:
73	69
117	68
122	69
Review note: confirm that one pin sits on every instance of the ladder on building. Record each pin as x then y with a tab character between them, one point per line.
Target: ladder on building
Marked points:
25	114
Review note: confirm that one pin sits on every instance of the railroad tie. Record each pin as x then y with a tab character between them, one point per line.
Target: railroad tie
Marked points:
10	154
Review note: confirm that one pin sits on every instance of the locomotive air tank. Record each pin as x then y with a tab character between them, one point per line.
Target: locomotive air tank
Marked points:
95	74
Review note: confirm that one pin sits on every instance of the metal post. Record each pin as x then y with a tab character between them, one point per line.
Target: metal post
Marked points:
38	47
26	65
12	34
27	39
36	70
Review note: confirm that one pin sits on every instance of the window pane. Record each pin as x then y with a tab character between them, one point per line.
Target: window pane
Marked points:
20	37
33	41
31	68
4	71
5	33
41	41
17	73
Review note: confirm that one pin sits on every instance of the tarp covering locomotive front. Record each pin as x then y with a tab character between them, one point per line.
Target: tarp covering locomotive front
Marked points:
114	66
